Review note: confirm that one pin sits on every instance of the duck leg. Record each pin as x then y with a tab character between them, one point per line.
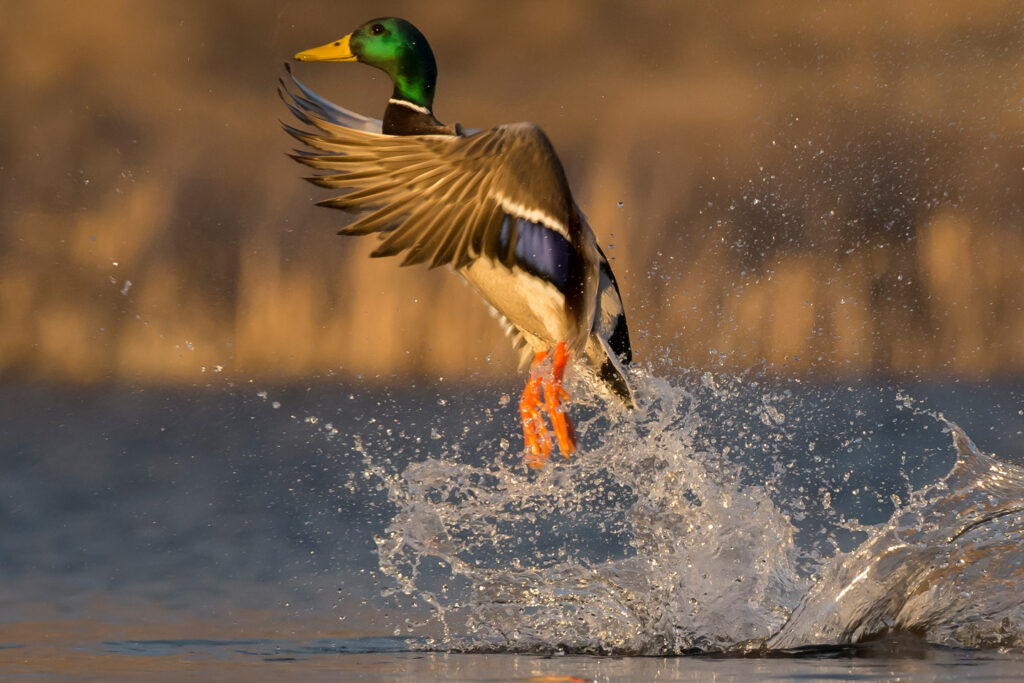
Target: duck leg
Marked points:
535	433
554	397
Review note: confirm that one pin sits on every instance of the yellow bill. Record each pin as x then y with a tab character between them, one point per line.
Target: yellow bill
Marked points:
338	51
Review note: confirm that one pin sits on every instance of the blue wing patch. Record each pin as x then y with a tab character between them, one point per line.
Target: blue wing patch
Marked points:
537	249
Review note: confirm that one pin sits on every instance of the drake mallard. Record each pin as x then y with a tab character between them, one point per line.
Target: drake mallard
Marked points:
494	205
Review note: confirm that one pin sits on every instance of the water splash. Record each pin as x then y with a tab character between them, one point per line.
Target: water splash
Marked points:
678	530
949	566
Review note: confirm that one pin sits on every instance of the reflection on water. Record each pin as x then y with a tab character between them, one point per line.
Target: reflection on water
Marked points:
270	649
262	524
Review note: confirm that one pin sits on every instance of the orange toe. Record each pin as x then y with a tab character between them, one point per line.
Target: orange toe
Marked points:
549	396
555	398
535	433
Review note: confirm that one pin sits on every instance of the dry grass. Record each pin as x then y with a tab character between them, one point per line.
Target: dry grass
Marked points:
823	188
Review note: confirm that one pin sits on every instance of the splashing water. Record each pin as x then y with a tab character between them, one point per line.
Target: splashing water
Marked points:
681	530
949	566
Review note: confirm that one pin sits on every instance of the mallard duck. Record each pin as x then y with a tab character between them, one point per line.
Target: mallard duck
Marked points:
494	205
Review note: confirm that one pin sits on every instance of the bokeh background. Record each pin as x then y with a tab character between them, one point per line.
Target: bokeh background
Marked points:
815	188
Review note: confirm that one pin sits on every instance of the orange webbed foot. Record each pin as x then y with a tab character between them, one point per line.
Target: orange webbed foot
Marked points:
552	397
556	399
535	433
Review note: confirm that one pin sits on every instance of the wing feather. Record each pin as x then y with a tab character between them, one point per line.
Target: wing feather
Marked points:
610	316
441	198
310	101
380	220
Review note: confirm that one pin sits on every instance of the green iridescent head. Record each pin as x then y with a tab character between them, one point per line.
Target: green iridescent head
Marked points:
394	46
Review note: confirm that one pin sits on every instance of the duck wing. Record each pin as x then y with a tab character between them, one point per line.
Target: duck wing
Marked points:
306	103
608	349
442	199
610	316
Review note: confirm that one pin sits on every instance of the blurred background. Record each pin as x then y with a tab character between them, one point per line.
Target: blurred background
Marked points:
815	188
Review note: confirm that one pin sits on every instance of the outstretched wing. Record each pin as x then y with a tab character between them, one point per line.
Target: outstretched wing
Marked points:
306	103
442	199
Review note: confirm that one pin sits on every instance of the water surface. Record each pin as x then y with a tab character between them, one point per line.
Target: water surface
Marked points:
252	532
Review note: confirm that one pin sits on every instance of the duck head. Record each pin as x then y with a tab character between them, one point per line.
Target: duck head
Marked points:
392	45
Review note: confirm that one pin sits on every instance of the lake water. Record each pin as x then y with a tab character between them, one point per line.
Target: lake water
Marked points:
731	528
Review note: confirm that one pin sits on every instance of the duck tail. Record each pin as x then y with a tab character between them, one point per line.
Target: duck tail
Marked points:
608	369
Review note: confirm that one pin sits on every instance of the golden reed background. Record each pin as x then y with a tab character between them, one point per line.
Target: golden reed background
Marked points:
819	187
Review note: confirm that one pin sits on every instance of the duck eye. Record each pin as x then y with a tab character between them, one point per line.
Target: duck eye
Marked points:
377	29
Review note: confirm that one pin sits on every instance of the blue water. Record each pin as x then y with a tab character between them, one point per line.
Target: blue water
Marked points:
236	528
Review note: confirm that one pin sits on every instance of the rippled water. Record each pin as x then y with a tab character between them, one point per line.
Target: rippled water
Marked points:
255	532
